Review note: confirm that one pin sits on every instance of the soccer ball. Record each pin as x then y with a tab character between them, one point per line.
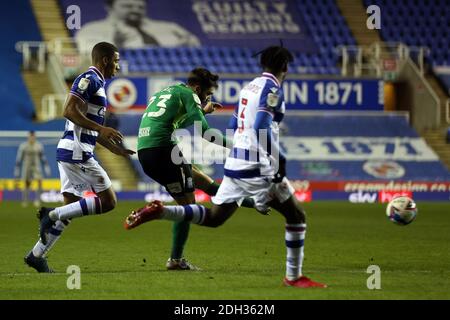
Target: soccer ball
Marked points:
401	210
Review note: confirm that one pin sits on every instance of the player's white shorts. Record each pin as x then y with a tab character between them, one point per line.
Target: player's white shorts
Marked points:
262	190
79	177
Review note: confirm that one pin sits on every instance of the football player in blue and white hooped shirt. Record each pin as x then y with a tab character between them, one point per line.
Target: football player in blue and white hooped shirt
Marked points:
79	171
254	168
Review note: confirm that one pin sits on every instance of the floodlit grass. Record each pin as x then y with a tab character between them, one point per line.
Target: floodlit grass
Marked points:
244	259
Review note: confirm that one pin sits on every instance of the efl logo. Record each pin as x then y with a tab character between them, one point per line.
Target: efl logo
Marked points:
89	194
386	196
303	196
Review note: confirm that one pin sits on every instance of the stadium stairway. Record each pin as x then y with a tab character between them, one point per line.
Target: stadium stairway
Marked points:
118	168
51	25
355	14
38	85
49	19
436	137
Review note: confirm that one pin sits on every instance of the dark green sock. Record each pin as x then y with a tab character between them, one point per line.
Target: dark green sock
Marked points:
212	189
180	233
248	203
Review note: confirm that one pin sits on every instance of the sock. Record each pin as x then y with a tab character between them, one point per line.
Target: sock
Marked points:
38	195
25	194
248	203
180	233
212	189
41	249
80	208
295	237
193	213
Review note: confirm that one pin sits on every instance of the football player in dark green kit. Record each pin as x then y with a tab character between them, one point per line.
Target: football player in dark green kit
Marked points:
174	107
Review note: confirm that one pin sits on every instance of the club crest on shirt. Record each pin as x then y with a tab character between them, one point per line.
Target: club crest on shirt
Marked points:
272	99
83	84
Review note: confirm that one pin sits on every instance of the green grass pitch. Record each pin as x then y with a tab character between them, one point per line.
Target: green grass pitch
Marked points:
244	259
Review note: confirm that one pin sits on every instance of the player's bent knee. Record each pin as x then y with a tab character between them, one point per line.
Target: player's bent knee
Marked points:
109	205
214	221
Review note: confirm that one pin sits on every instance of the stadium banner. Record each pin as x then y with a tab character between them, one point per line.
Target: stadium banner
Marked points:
253	24
302	196
132	93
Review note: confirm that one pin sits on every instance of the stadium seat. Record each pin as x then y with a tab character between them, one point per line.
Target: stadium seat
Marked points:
326	25
417	23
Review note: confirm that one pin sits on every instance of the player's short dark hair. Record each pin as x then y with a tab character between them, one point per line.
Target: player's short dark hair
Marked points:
103	49
31	133
203	77
275	59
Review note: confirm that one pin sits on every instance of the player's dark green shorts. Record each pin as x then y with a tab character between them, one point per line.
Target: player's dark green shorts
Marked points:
167	166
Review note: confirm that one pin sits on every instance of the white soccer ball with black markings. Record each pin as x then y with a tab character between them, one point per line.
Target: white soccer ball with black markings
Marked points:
401	210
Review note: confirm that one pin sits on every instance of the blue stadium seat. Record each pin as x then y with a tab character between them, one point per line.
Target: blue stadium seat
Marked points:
417	23
327	27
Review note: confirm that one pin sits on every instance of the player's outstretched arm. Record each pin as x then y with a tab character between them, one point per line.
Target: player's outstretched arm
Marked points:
115	148
73	111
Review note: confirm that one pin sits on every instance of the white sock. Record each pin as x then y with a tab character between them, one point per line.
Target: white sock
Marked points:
80	208
295	237
41	249
25	194
193	213
38	195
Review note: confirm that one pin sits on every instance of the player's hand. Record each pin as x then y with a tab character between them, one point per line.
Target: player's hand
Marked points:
111	135
47	171
16	172
281	171
124	152
210	107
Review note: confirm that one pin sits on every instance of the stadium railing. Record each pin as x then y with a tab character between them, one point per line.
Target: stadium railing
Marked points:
447	111
426	105
52	106
376	55
33	53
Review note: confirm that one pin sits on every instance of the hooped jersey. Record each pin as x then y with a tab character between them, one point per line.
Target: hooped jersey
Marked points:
248	159
77	144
